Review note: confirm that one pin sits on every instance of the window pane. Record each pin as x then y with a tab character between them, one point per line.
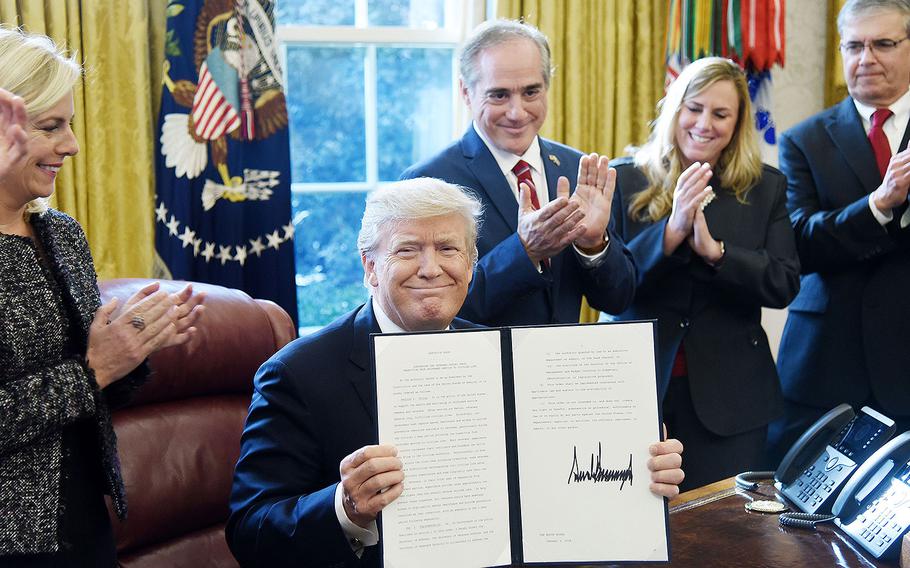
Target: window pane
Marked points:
421	14
315	12
414	98
329	273
326	112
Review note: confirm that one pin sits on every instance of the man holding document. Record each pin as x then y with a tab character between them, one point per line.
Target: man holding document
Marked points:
310	480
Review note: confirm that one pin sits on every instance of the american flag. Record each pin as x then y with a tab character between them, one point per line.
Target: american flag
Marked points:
223	202
213	115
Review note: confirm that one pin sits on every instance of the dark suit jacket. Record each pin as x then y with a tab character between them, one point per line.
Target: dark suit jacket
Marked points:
716	312
314	403
46	385
846	334
507	288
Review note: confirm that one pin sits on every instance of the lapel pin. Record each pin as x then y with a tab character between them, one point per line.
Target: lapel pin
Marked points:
554	159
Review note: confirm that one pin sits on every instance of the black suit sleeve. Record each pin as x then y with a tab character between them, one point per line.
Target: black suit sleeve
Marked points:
500	276
767	275
827	238
282	514
610	285
648	249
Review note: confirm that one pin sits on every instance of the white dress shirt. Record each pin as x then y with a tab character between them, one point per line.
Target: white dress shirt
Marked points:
894	130
507	160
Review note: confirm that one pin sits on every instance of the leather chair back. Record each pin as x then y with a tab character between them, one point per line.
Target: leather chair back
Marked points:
179	437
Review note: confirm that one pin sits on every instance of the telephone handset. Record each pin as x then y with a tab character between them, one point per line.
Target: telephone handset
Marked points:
824	457
874	507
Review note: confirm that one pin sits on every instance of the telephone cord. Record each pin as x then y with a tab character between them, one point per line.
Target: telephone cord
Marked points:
803	520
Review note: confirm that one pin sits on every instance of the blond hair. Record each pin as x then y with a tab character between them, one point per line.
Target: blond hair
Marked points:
660	159
33	67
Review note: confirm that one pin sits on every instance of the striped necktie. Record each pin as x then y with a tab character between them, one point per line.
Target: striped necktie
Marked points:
522	171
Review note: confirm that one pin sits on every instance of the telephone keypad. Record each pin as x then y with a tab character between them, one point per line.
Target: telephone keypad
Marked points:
883	520
816	485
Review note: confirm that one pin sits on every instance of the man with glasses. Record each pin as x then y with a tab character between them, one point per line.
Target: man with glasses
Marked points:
848	170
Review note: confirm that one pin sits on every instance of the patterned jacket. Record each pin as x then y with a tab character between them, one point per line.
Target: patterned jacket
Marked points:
41	388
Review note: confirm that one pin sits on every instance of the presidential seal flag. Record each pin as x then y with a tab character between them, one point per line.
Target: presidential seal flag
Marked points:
223	202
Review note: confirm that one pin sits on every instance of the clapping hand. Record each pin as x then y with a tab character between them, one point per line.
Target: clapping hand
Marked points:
188	309
691	190
581	217
594	195
701	241
893	190
122	336
13	139
546	232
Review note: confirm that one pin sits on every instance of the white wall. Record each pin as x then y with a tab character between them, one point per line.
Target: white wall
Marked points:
798	92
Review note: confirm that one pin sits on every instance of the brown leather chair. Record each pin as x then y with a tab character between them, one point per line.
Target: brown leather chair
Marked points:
179	437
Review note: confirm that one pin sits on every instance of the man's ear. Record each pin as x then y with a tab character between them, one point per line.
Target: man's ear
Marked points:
471	264
369	271
465	94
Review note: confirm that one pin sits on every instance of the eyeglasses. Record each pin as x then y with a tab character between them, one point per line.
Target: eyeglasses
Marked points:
876	46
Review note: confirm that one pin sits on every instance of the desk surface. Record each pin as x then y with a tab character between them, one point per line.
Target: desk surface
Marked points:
710	526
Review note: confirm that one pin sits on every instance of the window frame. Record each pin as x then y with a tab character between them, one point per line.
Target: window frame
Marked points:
461	17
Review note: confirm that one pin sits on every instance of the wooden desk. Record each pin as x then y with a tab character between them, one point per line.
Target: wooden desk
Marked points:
710	527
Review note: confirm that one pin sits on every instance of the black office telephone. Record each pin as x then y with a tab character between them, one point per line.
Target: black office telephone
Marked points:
824	457
820	461
874	506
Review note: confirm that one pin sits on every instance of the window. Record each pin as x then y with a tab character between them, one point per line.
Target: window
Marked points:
371	89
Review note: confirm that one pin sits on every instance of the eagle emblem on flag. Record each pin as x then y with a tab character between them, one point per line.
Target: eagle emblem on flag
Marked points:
238	95
222	166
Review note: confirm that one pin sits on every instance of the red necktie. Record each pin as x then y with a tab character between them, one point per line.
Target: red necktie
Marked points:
522	171
879	141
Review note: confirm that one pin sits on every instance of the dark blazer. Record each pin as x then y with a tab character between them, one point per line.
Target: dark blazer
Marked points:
45	382
716	312
314	402
507	288
846	334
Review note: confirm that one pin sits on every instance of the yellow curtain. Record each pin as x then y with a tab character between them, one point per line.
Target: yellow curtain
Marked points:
609	58
835	84
109	186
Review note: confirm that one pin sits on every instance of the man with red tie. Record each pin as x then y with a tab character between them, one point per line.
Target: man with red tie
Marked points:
544	240
848	169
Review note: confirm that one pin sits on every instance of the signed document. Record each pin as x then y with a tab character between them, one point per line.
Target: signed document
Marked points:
586	412
521	445
440	401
